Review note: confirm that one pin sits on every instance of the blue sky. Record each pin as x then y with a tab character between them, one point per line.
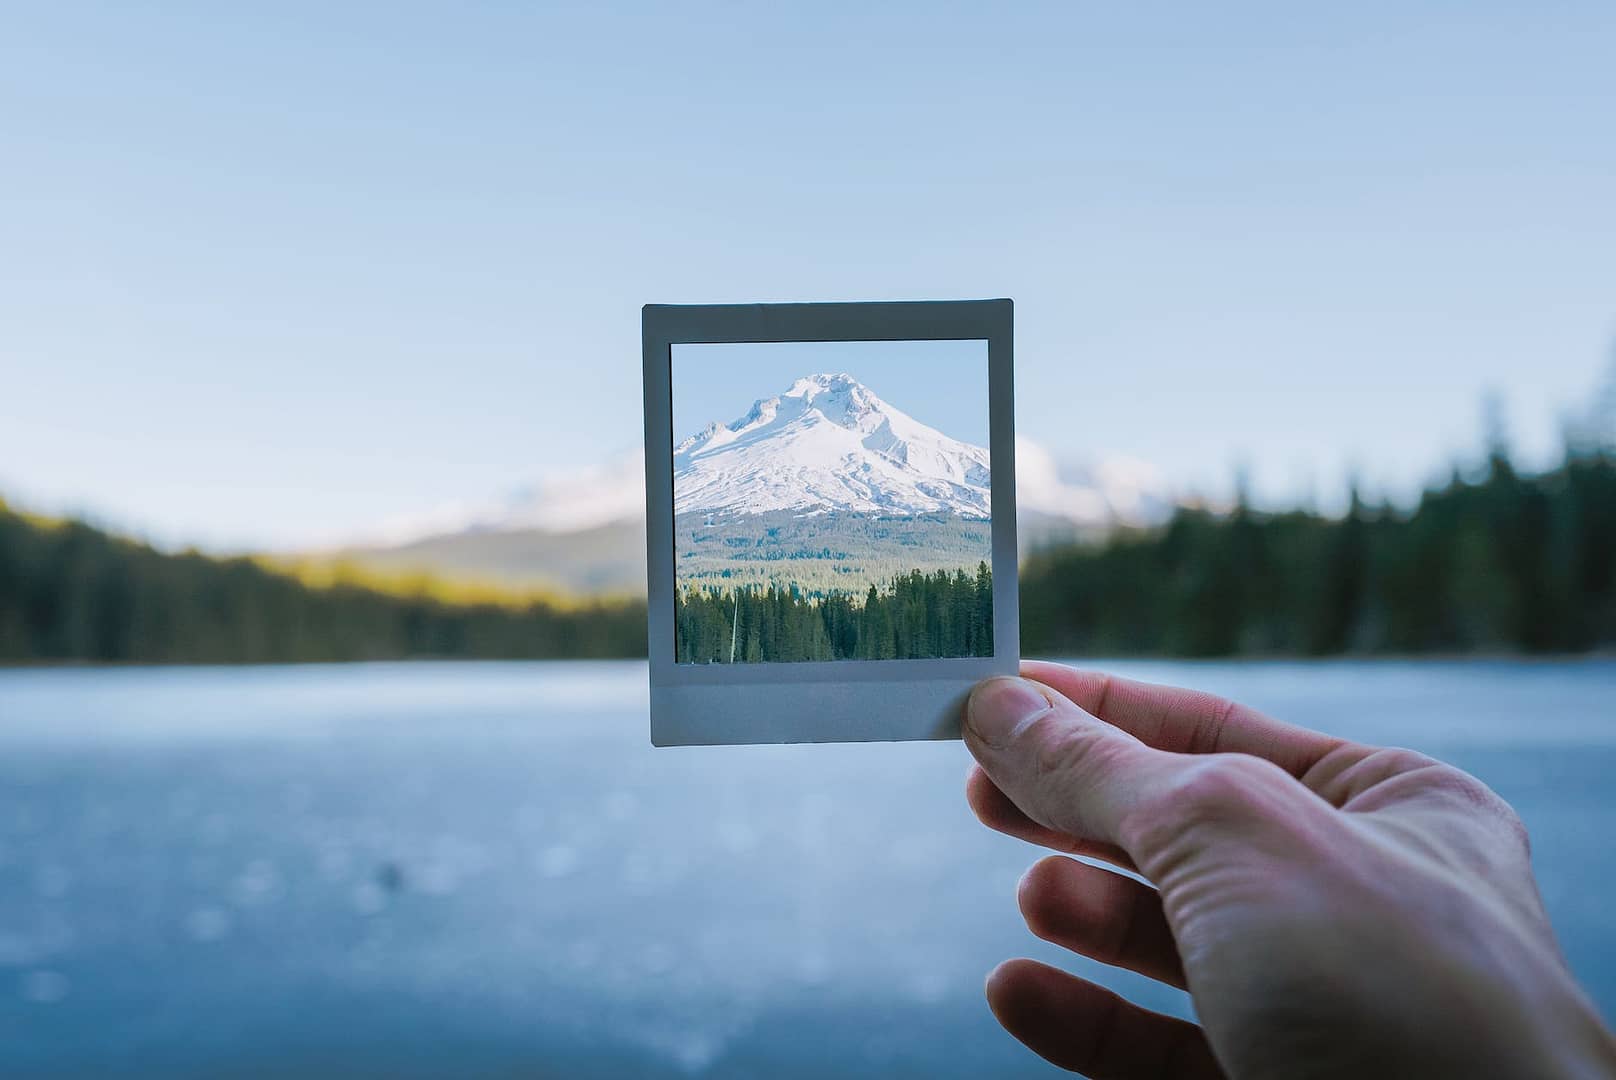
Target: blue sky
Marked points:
282	271
943	384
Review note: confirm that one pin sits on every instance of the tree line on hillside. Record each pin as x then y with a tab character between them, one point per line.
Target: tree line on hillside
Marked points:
917	615
69	592
1504	563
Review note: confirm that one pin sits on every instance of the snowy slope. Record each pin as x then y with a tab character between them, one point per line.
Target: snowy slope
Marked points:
828	443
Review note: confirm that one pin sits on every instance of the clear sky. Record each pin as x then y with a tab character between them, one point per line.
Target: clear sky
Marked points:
943	384
279	271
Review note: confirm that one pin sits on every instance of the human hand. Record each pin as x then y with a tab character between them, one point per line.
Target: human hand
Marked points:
1333	909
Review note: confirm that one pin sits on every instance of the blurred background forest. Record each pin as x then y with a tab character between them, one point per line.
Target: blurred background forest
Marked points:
1500	562
70	592
1505	563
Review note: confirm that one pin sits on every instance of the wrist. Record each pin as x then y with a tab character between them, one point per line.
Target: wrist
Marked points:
1565	1037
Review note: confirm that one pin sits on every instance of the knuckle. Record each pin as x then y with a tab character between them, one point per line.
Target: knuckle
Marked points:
1222	783
1456	788
1070	763
1402	759
1512	823
1064	753
1213	800
1210	789
1436	775
1475	794
1211	715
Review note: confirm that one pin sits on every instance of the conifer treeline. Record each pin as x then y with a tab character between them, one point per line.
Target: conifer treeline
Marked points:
71	592
1505	563
917	615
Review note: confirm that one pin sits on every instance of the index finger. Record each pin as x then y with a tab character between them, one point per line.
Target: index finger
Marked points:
1184	721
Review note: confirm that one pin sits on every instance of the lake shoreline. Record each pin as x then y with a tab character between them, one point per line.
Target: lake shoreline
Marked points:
1601	655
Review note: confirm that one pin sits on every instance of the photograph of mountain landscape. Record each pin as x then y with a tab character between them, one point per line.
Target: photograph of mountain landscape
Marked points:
825	523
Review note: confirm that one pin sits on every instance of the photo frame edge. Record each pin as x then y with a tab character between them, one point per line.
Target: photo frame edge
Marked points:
720	700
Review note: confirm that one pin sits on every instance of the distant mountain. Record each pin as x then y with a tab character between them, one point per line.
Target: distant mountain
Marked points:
559	501
828	444
578	530
1058	502
606	559
583	530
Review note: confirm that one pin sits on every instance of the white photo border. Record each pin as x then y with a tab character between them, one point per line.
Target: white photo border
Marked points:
833	700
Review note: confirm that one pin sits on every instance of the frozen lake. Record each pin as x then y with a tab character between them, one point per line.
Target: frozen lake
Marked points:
485	869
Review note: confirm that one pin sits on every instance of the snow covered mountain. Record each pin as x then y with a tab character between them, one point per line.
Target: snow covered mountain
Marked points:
828	443
583	529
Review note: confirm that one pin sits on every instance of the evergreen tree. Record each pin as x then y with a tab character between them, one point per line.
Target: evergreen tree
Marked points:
916	615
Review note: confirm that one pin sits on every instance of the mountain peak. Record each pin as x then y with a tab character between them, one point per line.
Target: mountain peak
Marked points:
841	399
812	384
829	444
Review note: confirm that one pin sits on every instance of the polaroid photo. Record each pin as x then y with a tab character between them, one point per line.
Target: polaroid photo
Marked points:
831	518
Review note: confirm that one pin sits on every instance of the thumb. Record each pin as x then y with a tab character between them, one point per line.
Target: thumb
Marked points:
1061	766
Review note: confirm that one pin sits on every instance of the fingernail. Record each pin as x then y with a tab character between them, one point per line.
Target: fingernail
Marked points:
1000	708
